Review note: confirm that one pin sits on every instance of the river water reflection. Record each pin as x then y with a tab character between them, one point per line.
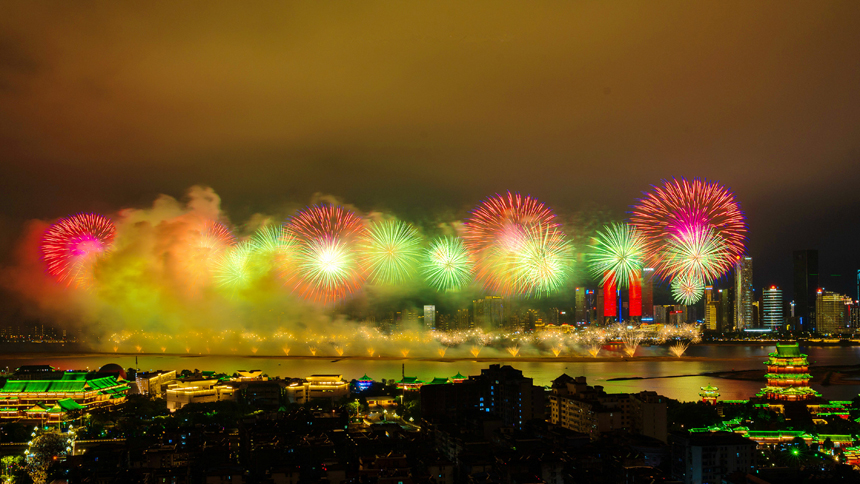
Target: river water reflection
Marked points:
703	358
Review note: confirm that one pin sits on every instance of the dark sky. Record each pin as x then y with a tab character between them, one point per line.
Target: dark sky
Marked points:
419	107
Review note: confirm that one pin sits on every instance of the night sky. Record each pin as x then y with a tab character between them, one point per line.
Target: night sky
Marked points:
425	108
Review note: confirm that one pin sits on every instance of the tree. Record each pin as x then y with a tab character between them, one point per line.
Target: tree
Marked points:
44	451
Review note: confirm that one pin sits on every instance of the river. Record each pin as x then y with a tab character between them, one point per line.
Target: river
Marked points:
652	367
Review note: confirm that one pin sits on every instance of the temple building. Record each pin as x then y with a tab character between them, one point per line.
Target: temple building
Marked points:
49	396
788	376
709	394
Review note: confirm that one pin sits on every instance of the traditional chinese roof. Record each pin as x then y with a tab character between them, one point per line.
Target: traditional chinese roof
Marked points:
788	376
410	380
58	386
709	388
458	376
438	380
365	378
69	404
788	350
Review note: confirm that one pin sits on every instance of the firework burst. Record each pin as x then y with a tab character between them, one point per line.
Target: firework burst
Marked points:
448	267
687	289
681	205
71	246
542	265
327	266
390	251
697	252
497	231
234	269
616	255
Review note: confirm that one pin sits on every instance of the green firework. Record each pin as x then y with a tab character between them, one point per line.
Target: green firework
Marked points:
448	266
328	268
542	262
687	289
699	252
390	251
616	255
234	269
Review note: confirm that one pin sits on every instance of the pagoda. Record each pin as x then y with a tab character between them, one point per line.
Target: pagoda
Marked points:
709	394
788	376
364	383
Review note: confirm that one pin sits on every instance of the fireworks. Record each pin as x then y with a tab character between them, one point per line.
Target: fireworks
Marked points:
233	269
681	206
328	270
272	241
698	253
687	289
391	250
71	246
327	266
503	232
617	254
541	266
448	266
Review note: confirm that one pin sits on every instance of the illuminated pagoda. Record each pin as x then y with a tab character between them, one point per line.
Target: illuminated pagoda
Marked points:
410	383
438	381
709	394
364	383
788	376
458	378
31	398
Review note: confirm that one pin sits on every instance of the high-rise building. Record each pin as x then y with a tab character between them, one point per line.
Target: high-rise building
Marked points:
489	312
772	307
429	317
726	312
712	311
805	287
743	293
598	307
647	294
581	309
463	319
832	312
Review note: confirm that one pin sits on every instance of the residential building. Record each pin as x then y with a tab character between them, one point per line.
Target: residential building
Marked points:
710	457
429	317
197	390
154	383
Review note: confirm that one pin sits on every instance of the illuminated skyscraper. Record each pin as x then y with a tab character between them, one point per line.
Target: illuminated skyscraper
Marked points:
832	313
647	294
429	317
772	301
712	311
489	312
743	293
805	287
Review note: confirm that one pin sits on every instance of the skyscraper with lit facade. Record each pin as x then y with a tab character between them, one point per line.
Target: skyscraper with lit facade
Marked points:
429	317
832	313
581	309
743	293
648	294
773	317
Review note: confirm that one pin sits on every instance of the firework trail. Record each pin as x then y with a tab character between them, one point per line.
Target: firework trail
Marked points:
71	246
448	267
682	205
390	251
617	254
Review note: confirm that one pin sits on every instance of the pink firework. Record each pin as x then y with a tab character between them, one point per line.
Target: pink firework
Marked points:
327	261
682	207
70	246
497	231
